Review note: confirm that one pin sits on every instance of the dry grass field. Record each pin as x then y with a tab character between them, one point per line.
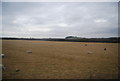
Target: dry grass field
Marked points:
59	60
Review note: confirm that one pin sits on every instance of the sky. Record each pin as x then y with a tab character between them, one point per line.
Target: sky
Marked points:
59	19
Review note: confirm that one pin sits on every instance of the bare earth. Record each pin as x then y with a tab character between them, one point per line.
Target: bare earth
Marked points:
59	60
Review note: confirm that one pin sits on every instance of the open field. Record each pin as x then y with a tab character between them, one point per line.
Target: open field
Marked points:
59	60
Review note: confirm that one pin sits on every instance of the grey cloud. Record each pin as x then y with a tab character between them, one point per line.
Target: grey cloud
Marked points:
54	19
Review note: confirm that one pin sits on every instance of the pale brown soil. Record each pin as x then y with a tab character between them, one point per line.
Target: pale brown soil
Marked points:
59	60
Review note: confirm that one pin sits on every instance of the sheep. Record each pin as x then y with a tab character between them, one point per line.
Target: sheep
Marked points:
3	55
17	70
105	49
28	51
3	67
89	52
85	44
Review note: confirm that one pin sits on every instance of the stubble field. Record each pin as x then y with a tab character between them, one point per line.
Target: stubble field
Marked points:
25	59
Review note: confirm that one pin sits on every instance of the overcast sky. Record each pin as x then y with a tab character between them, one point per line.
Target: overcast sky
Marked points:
55	19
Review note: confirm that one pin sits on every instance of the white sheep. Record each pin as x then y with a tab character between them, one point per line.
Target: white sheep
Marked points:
3	67
28	51
3	55
89	52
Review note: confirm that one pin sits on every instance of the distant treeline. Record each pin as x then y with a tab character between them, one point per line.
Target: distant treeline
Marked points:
71	39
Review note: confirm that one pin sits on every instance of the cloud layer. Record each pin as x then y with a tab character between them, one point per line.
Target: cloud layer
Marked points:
55	19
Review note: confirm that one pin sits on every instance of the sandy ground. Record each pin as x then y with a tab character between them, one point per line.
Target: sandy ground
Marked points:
59	60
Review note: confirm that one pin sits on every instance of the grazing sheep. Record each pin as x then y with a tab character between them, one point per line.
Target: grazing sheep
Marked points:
29	51
3	55
17	70
105	49
89	52
3	67
85	44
